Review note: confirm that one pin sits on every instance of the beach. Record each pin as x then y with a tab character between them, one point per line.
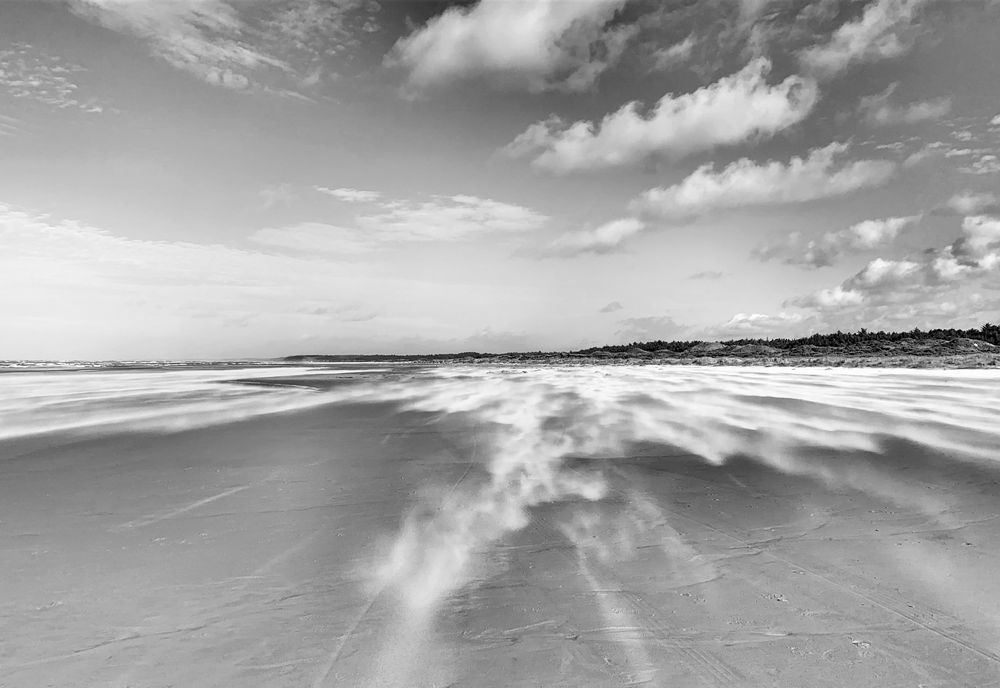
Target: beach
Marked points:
505	527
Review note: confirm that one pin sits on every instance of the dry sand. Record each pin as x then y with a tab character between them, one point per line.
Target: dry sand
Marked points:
248	554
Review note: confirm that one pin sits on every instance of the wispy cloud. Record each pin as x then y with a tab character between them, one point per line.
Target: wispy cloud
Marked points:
244	46
30	74
878	110
732	110
612	307
973	203
606	238
203	37
746	183
349	195
316	238
539	46
445	218
829	248
707	275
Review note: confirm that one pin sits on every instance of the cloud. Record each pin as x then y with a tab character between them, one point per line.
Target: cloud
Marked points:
707	275
611	307
829	248
973	203
202	37
29	74
606	238
882	31
746	183
240	45
665	58
878	111
447	218
315	237
737	108
938	283
995	121
758	324
984	164
349	195
132	298
651	328
538	46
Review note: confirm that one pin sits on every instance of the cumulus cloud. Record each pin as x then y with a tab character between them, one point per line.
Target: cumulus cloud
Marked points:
887	289
831	246
879	111
606	238
349	195
446	218
538	46
746	183
882	31
734	109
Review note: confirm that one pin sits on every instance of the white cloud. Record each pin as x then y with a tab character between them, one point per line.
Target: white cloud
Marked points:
881	32
746	183
835	298
242	45
664	58
349	195
972	202
29	74
538	46
757	324
831	246
995	121
984	164
932	284
878	111
448	218
203	37
606	238
734	109
128	298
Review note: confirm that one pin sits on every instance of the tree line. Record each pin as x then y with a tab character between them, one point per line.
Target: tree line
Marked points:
988	333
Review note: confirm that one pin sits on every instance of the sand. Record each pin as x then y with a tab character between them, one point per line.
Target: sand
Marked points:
267	553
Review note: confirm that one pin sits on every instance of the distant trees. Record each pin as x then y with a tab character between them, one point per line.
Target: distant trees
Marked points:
989	333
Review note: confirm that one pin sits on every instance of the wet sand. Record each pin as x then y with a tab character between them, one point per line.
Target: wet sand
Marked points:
246	554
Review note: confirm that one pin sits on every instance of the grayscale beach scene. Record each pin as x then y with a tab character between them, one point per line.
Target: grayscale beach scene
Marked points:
499	343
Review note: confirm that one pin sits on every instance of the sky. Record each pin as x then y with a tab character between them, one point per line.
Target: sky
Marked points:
204	179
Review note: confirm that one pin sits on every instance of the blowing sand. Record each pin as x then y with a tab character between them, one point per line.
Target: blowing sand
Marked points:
521	528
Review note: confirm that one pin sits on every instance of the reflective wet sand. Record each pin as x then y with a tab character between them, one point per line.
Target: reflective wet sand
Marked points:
473	530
